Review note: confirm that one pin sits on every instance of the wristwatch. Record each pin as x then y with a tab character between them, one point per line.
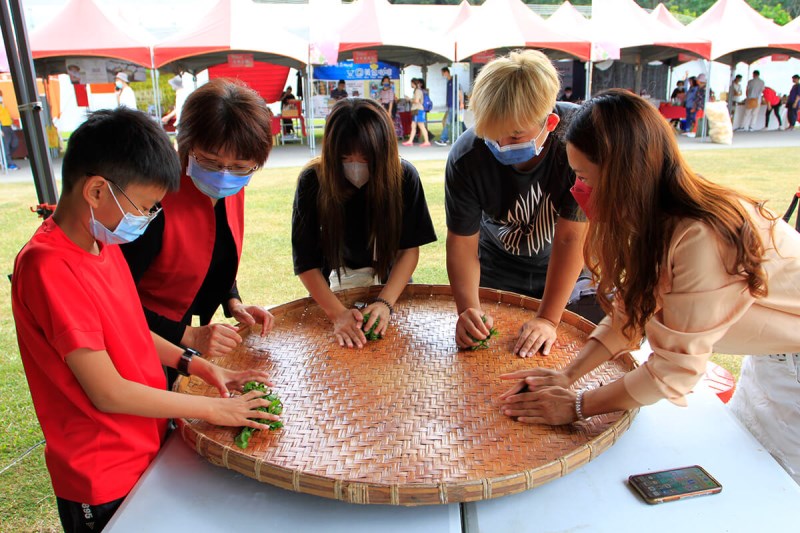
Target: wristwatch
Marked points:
186	358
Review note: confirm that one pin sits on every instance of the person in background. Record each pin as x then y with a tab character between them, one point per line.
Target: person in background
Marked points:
695	102
287	99
339	92
793	103
695	266
567	95
180	98
444	139
753	93
735	95
10	141
125	95
185	264
418	115
386	95
512	223
92	365
359	218
773	105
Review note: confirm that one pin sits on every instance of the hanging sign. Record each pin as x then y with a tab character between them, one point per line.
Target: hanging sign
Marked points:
483	57
685	58
780	57
347	70
365	56
240	60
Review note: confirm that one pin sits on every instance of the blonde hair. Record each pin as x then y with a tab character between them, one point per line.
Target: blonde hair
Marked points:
514	93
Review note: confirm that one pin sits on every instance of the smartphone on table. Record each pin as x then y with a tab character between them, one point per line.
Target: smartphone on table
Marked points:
674	484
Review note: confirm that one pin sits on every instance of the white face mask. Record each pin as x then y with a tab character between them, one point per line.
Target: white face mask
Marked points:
356	173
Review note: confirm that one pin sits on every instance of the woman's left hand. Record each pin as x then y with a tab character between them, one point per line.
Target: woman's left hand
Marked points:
226	380
377	311
554	406
253	314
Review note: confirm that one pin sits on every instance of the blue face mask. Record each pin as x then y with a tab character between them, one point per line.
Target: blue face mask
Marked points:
129	228
515	154
215	184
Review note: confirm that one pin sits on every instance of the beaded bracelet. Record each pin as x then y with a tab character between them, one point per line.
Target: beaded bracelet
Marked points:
579	405
386	303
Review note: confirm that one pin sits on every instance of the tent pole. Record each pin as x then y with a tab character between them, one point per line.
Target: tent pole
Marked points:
309	95
154	80
589	72
23	75
704	130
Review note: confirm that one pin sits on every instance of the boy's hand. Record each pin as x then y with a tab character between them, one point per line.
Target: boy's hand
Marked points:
534	334
253	314
241	411
471	325
347	329
212	340
226	380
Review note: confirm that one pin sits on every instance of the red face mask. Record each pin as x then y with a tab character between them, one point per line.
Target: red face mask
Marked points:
583	195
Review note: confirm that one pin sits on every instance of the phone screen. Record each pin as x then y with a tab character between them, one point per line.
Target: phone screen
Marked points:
674	484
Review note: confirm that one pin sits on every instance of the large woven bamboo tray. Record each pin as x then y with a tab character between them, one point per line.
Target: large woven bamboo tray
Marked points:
407	420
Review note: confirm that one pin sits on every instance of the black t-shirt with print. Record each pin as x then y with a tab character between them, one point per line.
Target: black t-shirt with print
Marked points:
307	253
515	212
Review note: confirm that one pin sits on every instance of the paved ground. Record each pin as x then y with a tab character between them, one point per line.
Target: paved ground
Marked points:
296	155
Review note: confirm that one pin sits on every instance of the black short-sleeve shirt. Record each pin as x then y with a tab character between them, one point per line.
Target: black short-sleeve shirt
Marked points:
515	212
306	232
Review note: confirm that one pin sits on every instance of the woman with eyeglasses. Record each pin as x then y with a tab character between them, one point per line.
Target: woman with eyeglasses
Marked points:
185	264
359	218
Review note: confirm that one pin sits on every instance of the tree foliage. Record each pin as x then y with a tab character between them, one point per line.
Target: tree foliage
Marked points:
781	11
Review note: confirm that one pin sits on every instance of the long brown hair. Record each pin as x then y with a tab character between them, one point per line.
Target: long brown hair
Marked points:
360	126
226	115
644	189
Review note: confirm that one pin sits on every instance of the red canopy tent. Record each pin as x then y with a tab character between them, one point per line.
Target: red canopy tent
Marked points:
566	19
507	24
403	34
232	26
640	37
738	33
82	28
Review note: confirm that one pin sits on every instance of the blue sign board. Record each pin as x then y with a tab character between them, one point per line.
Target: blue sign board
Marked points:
347	70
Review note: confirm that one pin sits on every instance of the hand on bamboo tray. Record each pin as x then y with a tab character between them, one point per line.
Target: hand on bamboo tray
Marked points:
241	411
226	380
540	396
535	334
377	316
347	329
212	340
249	315
545	405
473	329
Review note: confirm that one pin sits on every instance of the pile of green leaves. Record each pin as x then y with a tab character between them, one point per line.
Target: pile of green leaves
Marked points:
275	408
371	335
484	343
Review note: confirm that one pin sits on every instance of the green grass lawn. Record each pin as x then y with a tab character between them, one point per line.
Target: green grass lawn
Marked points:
265	277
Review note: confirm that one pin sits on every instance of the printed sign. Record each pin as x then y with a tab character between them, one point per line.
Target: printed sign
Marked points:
483	57
240	60
365	56
349	70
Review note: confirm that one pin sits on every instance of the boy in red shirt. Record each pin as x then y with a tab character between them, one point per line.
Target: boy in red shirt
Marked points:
93	367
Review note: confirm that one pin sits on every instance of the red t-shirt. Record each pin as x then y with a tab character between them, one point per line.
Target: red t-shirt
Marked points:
771	97
63	299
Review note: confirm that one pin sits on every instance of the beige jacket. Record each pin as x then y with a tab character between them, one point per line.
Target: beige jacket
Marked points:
703	309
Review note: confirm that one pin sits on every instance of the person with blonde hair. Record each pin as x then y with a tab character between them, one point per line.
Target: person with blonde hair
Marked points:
512	223
694	266
359	218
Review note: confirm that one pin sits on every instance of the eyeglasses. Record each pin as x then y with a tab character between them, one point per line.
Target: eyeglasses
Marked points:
214	166
151	213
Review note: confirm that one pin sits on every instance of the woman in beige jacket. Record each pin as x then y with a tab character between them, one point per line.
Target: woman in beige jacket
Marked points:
694	266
